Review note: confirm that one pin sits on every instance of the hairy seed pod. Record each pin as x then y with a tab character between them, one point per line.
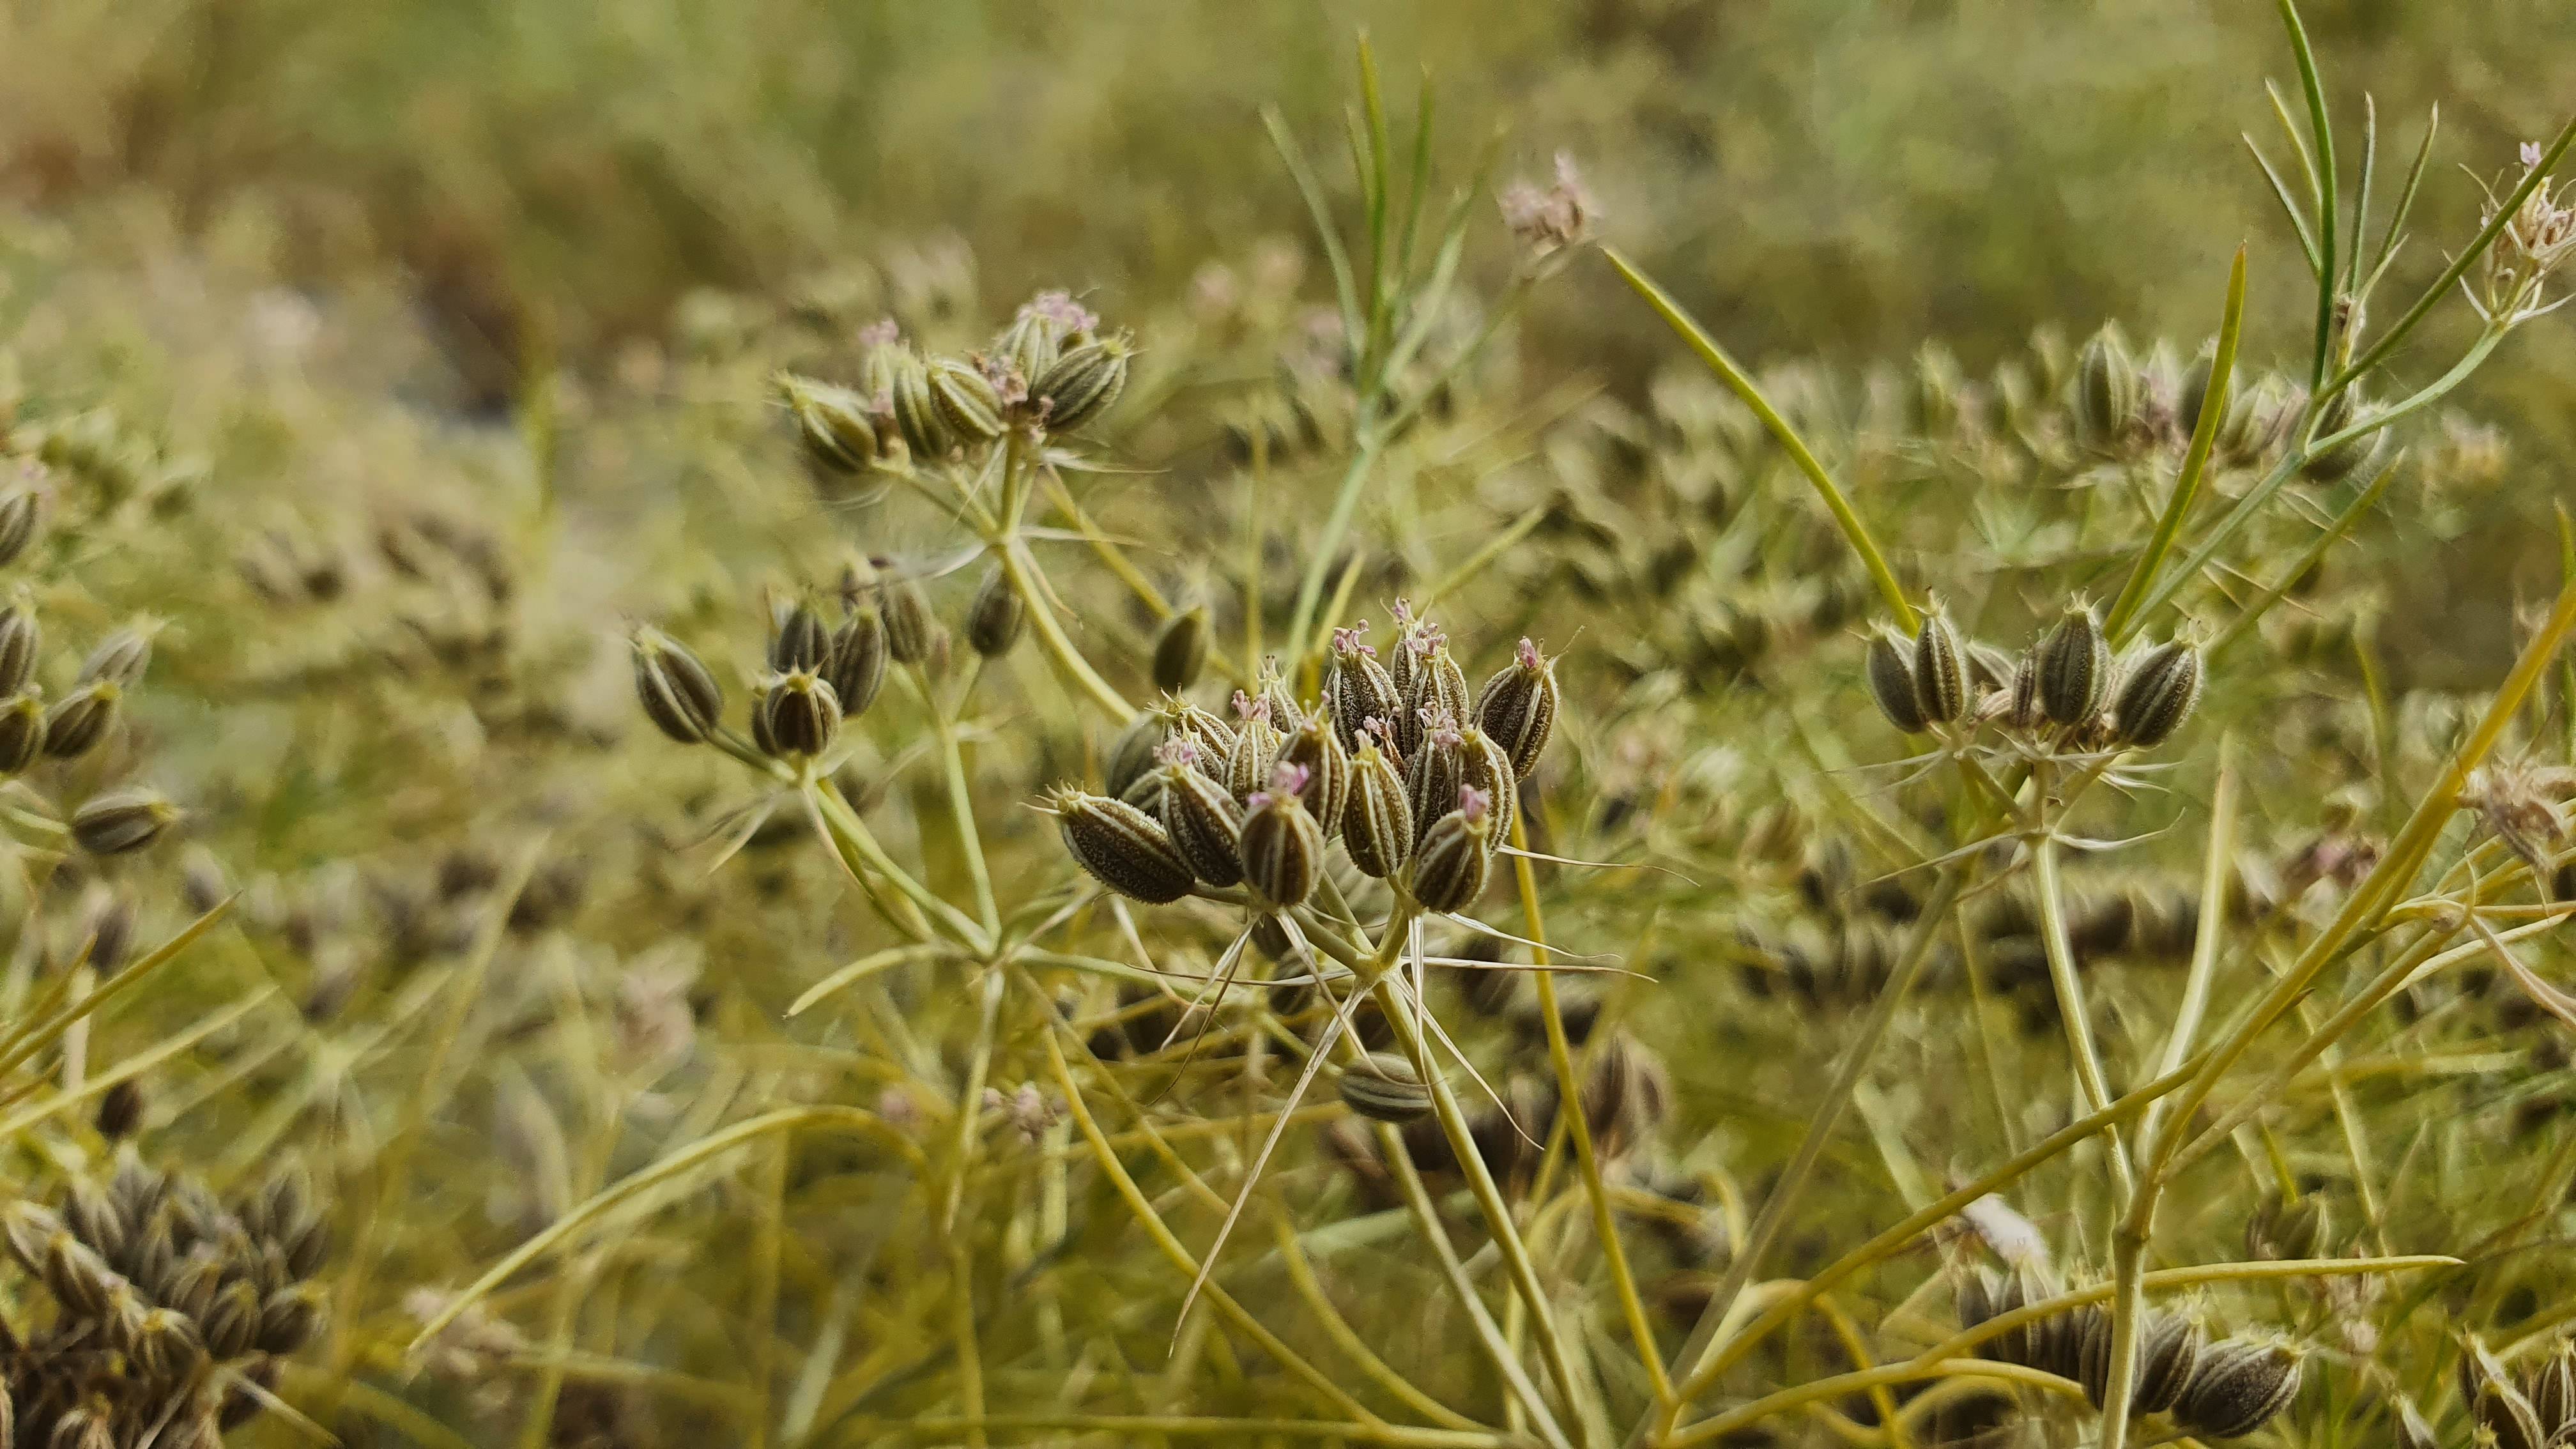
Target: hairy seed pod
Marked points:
21	641
2090	1336
2156	695
89	1424
1412	645
1384	1087
80	719
1434	774
798	640
1082	383
232	1325
1131	757
2550	1384
1314	748
22	510
29	1231
967	402
996	617
2478	1369
1444	685
2169	1348
2022	709
288	1317
1377	821
908	625
679	696
1121	847
799	715
1940	670
2241	1384
916	416
1360	689
855	663
1203	819
2507	1418
1271	685
1518	704
1213	736
2108	396
122	821
1032	342
1454	857
1282	847
1483	765
2074	663
1891	681
834	423
22	732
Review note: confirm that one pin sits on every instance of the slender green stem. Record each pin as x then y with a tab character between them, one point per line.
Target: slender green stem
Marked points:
842	826
2070	994
1702	1348
1743	386
1328	542
961	806
2323	130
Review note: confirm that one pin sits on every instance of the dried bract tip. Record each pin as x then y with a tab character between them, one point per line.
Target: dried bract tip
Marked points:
1121	847
678	694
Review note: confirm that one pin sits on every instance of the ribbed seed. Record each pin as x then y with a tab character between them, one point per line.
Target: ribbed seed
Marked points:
2107	394
1940	670
916	416
2074	667
2241	1384
1377	822
1455	857
1361	689
1180	650
996	617
2157	695
798	640
1433	775
1384	1087
1204	821
678	694
1082	383
1518	705
1131	758
80	719
1482	765
22	732
1891	682
1121	847
21	512
1281	845
1314	747
122	821
1256	748
833	423
908	624
969	407
856	664
21	640
2169	1350
799	715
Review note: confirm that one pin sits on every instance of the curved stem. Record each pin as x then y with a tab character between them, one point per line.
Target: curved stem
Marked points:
1059	649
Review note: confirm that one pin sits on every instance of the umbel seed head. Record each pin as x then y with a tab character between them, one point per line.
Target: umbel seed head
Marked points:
2157	695
2074	667
1891	681
1121	847
1518	705
678	694
122	821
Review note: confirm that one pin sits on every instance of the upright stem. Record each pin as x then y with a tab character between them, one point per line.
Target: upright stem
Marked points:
2070	993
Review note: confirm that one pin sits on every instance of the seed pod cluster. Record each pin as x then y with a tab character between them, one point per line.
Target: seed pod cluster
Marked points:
815	677
2536	1407
164	1297
2221	1388
2066	691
